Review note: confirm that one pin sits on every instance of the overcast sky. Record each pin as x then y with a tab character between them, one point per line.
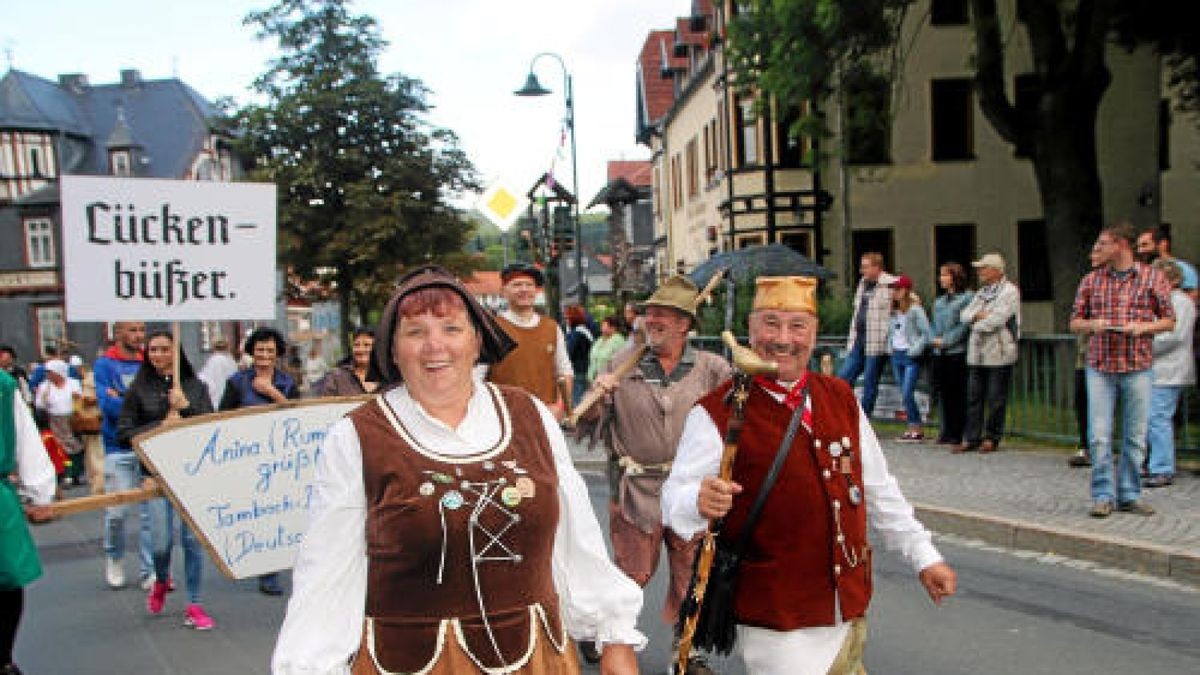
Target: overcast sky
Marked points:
471	53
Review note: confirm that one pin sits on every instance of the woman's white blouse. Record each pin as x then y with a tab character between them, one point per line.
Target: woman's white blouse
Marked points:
325	615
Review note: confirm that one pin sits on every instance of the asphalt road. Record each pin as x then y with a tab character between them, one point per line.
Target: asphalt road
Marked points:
1014	614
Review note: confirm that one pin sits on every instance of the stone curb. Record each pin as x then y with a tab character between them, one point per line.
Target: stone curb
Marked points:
1177	564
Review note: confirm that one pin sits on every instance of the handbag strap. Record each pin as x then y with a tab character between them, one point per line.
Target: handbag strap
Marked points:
781	454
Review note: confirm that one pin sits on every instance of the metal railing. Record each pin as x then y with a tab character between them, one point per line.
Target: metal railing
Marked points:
1042	393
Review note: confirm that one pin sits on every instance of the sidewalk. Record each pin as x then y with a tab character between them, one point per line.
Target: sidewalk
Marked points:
1031	500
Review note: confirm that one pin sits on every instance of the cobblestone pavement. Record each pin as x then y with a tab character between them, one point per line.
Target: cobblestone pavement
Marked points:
1030	499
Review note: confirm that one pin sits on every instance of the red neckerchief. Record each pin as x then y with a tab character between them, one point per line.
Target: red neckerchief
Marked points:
791	397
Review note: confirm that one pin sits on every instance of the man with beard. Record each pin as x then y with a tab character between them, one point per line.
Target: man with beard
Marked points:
641	417
1155	243
805	581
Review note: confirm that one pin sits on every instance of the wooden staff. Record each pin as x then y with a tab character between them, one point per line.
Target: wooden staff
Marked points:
747	364
91	503
589	399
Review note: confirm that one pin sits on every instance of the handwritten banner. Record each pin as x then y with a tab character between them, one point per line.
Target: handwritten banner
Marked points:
244	479
166	250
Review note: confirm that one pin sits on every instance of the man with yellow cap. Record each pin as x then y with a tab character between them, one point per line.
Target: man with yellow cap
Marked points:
641	417
804	583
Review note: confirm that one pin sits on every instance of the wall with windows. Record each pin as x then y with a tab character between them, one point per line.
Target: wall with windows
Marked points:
952	189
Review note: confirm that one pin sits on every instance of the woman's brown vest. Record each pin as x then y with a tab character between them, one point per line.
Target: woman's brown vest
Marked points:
794	566
531	366
459	548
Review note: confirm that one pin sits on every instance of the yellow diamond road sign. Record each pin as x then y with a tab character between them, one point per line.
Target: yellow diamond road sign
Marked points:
502	205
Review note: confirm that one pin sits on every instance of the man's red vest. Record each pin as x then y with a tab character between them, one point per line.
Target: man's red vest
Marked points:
808	553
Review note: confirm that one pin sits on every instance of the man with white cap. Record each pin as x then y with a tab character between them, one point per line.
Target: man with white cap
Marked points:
994	318
805	581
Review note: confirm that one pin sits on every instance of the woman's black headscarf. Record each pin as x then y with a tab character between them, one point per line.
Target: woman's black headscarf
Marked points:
494	342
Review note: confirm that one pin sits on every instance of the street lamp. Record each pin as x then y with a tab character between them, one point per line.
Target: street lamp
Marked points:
534	88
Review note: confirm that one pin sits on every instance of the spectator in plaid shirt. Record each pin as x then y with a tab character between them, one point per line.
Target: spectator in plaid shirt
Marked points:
1122	304
867	347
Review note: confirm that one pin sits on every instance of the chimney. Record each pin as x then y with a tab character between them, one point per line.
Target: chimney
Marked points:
131	78
74	82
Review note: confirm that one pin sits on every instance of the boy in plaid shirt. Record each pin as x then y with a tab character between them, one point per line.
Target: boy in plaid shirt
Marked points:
1121	304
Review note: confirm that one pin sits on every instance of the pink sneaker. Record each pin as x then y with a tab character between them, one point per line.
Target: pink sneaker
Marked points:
157	597
196	617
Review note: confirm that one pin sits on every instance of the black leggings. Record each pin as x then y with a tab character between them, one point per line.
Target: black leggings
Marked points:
12	602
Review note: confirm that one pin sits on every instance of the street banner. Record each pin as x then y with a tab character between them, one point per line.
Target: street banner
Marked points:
167	250
243	479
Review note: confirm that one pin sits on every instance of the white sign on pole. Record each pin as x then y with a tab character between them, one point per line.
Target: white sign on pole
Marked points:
502	205
244	479
167	250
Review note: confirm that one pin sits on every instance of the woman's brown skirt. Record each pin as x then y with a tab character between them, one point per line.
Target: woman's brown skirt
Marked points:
545	659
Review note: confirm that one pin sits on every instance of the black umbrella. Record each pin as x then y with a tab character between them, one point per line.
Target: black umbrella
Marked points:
774	260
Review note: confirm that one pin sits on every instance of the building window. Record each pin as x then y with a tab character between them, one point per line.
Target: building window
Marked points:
873	241
1033	261
952	107
39	242
1164	134
747	124
120	164
868	120
953	244
693	169
1028	92
791	145
676	183
948	13
800	242
50	327
746	240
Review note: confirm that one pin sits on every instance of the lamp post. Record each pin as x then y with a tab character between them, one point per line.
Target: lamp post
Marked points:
534	88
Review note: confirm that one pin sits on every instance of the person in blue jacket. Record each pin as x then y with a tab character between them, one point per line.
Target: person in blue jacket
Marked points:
113	372
263	383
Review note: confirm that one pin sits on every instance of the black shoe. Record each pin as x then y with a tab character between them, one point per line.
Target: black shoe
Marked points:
588	649
1079	460
268	584
1136	507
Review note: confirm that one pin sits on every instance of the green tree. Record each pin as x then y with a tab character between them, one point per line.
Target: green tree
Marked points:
790	49
363	179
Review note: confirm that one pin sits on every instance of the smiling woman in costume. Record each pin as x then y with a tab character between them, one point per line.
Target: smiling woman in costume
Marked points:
450	532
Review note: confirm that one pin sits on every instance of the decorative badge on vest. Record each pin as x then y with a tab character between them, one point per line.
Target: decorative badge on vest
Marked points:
501	495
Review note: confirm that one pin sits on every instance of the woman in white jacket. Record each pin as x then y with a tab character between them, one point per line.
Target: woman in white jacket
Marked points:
1174	369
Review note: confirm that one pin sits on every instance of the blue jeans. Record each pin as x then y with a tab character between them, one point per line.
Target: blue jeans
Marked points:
162	535
857	363
121	472
1160	432
1132	391
907	371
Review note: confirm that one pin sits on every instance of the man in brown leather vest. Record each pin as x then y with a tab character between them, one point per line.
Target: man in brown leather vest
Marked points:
539	364
804	582
641	417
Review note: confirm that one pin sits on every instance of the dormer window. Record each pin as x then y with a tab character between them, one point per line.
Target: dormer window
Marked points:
120	163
